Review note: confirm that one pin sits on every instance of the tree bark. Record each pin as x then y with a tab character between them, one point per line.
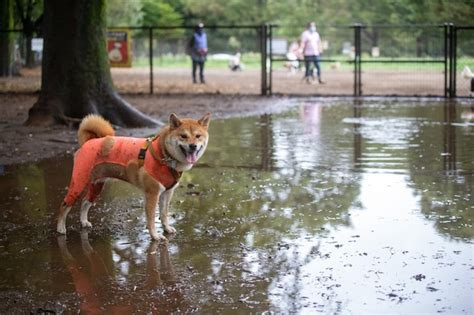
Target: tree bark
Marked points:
6	38
29	56
25	14
372	35
76	78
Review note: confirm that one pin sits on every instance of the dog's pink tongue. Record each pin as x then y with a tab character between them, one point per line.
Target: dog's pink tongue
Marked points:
192	157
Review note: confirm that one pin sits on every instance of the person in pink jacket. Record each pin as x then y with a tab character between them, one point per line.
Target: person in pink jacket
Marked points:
311	48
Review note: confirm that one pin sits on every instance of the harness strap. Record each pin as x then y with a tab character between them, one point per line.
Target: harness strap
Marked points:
142	152
166	160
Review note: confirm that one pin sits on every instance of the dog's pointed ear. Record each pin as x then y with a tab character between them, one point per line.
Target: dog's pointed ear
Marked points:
204	121
175	122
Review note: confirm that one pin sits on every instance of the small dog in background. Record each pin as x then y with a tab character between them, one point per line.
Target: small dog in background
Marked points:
154	165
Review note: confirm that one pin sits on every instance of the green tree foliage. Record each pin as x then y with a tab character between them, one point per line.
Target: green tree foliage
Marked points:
297	12
345	12
28	13
460	12
124	13
292	16
231	12
162	13
30	16
6	39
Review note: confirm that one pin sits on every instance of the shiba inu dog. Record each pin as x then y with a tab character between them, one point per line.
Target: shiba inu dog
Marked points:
154	165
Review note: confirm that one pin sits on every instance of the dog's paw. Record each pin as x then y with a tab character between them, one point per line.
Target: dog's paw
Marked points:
61	229
159	237
86	224
169	229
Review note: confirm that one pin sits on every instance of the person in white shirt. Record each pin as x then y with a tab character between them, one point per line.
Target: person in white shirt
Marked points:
311	49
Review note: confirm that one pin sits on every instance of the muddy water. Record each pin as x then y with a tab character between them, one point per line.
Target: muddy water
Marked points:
334	207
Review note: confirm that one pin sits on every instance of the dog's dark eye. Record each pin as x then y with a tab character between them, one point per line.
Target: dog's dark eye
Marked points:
198	136
183	136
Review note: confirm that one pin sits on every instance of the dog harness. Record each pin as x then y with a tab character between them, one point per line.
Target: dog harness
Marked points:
122	150
167	165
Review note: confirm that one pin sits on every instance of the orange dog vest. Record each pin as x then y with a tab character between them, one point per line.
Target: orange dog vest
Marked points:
123	150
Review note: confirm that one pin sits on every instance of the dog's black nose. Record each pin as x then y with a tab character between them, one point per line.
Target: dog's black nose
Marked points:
192	147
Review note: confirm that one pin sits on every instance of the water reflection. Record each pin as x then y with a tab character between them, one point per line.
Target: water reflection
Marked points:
290	213
101	289
266	142
310	115
357	106
449	137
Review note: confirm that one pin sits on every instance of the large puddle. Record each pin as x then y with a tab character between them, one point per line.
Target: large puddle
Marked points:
341	207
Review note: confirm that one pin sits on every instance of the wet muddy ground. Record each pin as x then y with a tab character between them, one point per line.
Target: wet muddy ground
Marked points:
20	143
332	206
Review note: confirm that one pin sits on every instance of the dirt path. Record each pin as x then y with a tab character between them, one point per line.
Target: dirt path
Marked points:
414	81
20	144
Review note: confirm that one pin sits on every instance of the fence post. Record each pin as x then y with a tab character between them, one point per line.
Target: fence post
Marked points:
446	60
263	61
455	59
150	39
451	65
266	58
270	71
357	60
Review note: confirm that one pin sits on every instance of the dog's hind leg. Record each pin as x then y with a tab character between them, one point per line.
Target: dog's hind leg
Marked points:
85	206
63	212
92	193
75	189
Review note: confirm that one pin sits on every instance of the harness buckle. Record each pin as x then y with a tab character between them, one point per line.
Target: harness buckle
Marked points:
142	153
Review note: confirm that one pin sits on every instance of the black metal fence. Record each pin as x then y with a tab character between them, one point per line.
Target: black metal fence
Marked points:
160	58
382	60
462	76
358	60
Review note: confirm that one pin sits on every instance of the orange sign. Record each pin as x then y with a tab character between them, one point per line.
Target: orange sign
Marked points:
119	50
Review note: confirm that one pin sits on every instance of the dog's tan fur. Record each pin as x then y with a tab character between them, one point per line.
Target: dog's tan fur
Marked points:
94	126
177	139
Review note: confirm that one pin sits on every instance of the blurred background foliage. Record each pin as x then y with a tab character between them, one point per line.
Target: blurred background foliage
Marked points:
298	12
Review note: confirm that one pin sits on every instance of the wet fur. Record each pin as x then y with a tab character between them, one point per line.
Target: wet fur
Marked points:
179	134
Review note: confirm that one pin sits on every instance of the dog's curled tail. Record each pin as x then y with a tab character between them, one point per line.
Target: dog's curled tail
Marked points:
93	126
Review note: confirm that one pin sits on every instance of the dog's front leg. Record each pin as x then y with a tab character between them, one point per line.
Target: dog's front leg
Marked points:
164	206
151	198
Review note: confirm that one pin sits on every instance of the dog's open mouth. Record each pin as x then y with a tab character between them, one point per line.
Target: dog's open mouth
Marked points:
191	156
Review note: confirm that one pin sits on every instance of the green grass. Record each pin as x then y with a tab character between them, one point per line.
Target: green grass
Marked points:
368	63
465	61
252	61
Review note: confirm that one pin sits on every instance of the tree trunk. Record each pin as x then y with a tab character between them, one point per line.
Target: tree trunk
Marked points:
372	35
6	38
76	78
30	55
29	29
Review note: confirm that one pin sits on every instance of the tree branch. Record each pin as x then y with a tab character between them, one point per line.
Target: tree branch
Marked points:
19	8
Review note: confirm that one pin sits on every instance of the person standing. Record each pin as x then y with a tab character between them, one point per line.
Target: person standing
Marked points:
198	47
311	49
